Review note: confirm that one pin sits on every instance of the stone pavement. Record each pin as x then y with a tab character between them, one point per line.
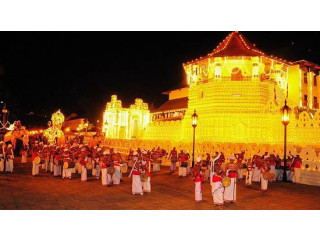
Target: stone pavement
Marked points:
23	191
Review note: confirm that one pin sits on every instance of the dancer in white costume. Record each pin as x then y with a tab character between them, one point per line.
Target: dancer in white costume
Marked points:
24	155
230	193
212	162
297	163
9	159
264	182
249	172
217	188
136	180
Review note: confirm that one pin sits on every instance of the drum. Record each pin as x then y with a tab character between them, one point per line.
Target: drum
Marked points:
266	175
72	165
37	160
144	177
65	165
89	166
226	181
124	168
110	170
271	176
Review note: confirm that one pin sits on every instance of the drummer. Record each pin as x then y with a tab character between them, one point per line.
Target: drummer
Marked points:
230	193
146	186
136	180
66	171
96	166
249	172
9	158
198	179
116	157
83	163
264	182
183	165
57	162
35	165
103	160
217	187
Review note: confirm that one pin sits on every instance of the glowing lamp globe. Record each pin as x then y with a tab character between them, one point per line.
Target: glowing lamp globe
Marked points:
194	119
285	114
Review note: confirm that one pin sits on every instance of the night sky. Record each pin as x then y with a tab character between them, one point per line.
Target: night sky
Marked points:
79	71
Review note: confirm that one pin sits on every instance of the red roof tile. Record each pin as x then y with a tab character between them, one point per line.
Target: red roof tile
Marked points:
235	44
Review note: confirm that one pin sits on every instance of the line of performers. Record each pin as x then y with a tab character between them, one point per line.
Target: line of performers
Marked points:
99	162
224	174
6	158
95	161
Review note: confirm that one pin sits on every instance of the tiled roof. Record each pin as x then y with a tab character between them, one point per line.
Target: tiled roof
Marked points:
179	103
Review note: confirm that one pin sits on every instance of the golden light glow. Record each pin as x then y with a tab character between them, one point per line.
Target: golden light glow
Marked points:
125	123
54	133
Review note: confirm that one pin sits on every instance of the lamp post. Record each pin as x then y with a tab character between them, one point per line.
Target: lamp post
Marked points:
194	125
285	121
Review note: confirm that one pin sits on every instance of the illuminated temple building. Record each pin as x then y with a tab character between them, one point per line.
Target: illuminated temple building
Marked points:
237	91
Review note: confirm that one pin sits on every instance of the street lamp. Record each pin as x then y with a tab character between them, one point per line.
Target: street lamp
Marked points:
285	121
194	125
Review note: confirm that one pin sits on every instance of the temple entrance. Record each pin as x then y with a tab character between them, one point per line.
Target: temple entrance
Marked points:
134	128
236	74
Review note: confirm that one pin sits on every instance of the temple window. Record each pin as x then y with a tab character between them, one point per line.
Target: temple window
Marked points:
201	94
315	80
315	103
305	100
236	74
305	77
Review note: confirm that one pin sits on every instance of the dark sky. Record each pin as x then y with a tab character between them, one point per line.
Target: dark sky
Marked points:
79	71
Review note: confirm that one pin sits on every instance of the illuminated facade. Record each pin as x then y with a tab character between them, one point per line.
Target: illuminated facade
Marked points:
54	134
125	123
237	91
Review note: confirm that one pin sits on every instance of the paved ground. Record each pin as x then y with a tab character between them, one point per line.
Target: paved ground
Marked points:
23	191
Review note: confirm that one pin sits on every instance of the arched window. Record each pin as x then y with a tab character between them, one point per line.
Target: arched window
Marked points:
236	74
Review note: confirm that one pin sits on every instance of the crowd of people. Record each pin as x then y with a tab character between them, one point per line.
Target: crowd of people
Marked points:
223	173
107	164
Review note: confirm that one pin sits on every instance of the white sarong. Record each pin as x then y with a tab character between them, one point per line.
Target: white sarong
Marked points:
230	193
83	174
2	165
249	178
296	175
9	165
182	171
256	175
116	175
147	185
198	191
217	193
136	185
66	173
264	184
56	170
35	169
24	158
103	176
273	170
